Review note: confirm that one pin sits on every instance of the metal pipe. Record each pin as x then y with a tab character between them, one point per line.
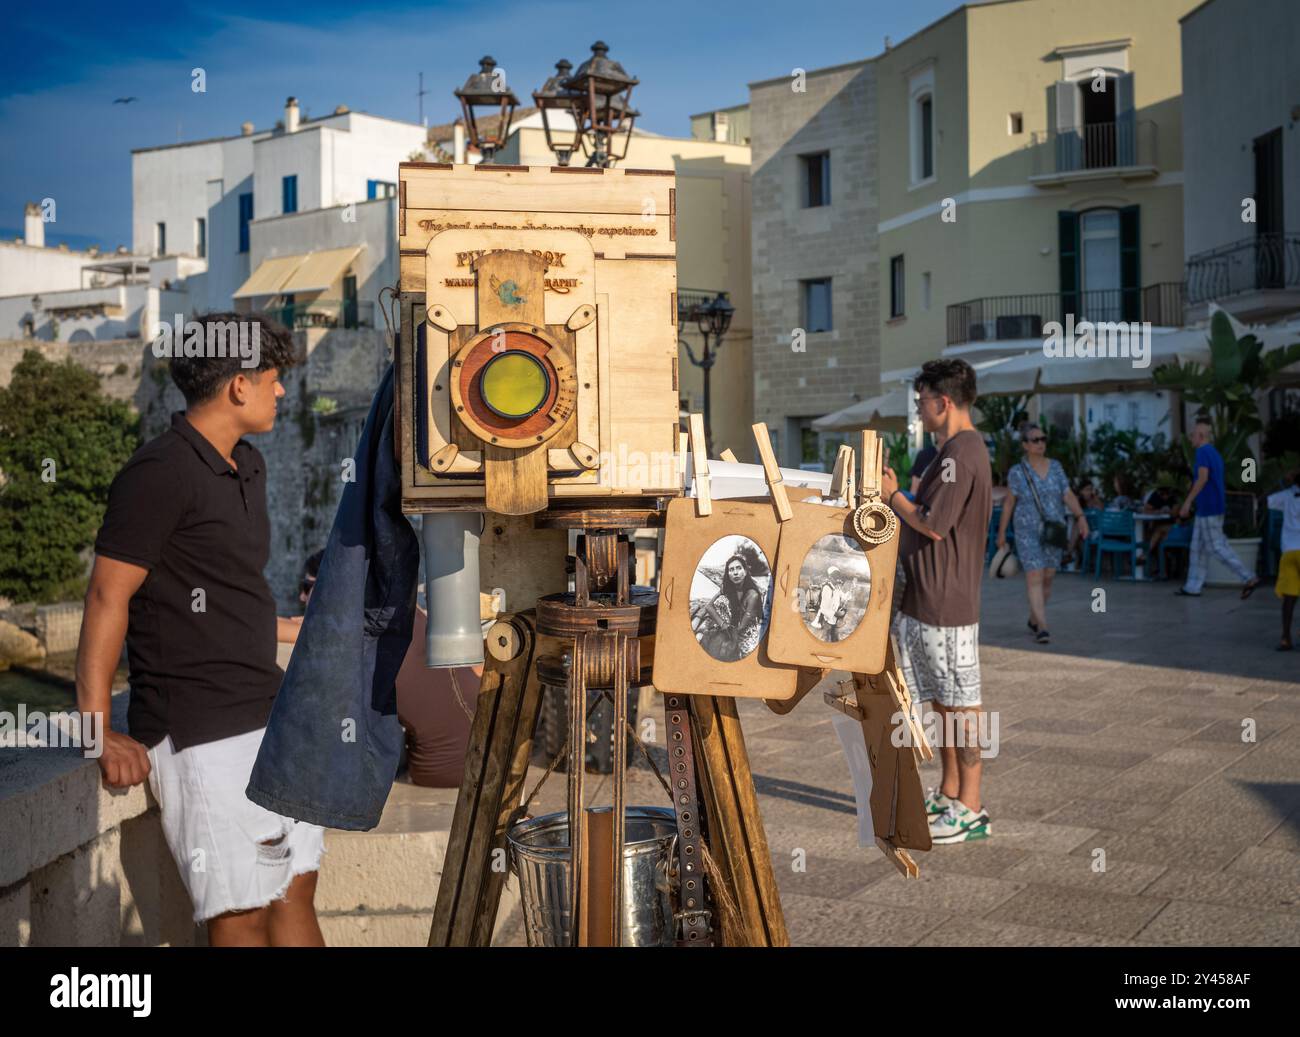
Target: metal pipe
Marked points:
450	541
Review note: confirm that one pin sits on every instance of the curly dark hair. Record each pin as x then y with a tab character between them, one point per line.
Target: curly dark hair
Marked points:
200	378
950	377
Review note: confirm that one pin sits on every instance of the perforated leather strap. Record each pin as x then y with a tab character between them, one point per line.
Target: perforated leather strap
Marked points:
694	915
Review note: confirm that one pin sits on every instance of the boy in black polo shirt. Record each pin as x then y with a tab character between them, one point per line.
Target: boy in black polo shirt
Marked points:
178	572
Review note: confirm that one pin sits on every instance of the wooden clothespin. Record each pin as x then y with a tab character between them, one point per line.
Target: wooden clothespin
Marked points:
700	467
871	464
683	448
727	455
775	482
842	476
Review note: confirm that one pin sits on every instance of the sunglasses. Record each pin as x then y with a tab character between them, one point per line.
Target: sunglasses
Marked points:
1037	439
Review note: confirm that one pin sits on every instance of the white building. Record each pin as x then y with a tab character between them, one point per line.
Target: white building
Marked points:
50	292
298	220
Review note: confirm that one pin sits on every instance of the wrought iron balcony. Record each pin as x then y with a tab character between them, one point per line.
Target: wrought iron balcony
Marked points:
1125	148
1261	263
691	301
1008	317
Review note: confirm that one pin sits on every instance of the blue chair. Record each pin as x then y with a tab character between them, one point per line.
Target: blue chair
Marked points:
1117	536
1089	545
1180	538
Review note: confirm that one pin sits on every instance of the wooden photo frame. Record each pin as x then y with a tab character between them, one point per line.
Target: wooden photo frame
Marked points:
833	592
703	643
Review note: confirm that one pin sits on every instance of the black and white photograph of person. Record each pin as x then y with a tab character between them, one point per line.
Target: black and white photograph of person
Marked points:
731	598
834	587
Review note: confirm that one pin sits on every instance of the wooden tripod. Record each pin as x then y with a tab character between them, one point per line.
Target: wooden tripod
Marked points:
600	629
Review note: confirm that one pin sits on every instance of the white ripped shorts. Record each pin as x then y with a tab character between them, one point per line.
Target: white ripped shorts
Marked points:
218	835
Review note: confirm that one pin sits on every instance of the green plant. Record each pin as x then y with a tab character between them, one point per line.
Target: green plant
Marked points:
1000	418
61	443
1224	390
898	456
1070	448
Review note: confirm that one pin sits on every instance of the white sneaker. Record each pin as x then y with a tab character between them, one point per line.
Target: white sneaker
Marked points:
959	824
936	802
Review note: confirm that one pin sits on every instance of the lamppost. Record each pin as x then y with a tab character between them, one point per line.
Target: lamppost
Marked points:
487	88
713	319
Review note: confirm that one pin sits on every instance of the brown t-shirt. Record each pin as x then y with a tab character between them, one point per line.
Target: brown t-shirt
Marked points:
956	500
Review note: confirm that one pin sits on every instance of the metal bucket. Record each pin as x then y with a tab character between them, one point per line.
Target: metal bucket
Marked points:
539	852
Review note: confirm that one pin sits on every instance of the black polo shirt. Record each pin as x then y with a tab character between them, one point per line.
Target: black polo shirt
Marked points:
201	635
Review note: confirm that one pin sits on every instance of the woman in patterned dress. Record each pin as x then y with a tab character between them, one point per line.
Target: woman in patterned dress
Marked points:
1038	560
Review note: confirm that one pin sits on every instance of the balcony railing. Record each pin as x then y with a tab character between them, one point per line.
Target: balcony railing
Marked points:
1006	317
1126	144
1261	263
690	301
332	314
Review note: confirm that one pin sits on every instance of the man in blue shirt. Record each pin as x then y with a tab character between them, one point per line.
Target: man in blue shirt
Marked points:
1210	496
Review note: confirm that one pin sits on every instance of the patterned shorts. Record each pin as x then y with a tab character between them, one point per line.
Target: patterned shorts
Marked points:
940	664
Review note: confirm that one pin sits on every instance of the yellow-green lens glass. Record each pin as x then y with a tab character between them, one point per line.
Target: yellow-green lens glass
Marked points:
514	384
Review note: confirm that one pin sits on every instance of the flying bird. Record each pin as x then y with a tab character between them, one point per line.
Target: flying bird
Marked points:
126	100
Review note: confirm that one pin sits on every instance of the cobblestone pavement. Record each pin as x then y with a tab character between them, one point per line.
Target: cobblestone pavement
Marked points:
1125	735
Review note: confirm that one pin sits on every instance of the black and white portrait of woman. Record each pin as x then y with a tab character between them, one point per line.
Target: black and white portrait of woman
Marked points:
731	598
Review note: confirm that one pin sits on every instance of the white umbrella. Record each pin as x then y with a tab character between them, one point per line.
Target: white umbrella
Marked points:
889	410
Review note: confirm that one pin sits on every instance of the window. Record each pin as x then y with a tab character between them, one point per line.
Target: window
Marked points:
925	290
896	287
927	138
245	218
1015	123
380	189
816	179
160	239
201	237
289	194
1101	264
921	127
817	305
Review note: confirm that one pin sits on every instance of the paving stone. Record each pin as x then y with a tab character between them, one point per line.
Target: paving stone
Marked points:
1164	848
1125	877
1191	924
1257	892
1257	860
823	922
832	877
938	890
1079	910
980	932
1102	813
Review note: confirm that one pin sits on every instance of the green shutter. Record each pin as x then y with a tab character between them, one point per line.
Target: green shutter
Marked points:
1068	249
1130	263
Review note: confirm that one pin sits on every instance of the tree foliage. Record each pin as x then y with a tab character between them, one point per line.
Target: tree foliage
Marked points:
61	442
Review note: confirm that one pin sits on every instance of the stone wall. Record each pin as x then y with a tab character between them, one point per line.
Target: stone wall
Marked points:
792	243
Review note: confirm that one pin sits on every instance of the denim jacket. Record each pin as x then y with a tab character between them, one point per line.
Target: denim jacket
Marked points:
333	741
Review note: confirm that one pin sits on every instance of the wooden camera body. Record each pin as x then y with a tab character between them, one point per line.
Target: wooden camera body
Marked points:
537	360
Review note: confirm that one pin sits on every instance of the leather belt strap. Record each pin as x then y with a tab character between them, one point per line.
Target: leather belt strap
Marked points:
693	907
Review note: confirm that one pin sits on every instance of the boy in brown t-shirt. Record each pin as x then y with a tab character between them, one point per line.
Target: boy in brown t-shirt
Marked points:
941	550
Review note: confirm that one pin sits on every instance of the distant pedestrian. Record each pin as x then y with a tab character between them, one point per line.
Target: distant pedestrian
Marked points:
1038	494
1288	571
1209	495
941	550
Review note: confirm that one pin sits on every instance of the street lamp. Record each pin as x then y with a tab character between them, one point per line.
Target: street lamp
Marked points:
602	106
554	97
487	88
712	319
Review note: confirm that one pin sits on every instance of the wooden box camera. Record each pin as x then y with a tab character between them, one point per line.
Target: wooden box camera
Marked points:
537	360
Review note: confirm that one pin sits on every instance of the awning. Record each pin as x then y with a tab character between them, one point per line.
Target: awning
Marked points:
269	277
320	270
886	413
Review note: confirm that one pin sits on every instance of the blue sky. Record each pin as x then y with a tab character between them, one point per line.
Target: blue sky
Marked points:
62	137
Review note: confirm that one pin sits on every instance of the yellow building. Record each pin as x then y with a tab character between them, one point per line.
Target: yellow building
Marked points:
1030	167
713	253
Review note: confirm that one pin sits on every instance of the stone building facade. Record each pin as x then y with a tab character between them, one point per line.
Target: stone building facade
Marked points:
815	255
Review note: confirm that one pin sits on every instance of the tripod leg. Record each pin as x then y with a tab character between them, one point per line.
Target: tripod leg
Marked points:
736	834
620	782
577	772
496	762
